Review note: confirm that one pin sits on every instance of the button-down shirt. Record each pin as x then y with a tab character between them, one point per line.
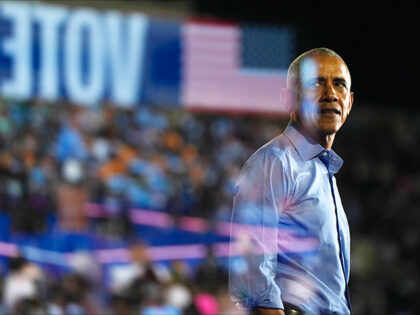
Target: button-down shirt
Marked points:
290	237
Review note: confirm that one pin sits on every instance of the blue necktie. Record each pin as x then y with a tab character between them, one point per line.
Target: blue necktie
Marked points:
324	156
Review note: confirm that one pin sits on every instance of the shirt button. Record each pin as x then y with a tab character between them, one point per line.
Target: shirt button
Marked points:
324	153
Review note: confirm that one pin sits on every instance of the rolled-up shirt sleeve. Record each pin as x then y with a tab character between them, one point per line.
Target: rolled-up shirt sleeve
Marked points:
260	198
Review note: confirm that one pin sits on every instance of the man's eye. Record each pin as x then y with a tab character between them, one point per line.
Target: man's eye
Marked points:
314	84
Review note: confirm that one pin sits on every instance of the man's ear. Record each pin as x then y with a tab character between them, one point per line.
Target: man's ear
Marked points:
351	101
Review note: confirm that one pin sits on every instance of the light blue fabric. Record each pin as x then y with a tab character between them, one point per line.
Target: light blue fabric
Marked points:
285	233
161	310
70	144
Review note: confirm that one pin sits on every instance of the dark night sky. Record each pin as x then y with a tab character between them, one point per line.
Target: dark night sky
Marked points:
378	41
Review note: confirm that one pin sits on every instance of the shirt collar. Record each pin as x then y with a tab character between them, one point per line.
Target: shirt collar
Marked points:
309	149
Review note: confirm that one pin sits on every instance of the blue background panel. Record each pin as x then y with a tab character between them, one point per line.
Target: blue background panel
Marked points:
162	68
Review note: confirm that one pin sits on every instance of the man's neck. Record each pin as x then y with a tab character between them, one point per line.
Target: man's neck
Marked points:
327	141
324	139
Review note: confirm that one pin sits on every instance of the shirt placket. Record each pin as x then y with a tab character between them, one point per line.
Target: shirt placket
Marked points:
325	159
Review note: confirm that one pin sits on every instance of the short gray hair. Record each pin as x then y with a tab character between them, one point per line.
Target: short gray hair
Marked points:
321	51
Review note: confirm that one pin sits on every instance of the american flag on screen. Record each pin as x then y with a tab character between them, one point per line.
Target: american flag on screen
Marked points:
232	68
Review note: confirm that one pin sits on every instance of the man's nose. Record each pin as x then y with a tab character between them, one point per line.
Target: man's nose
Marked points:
329	94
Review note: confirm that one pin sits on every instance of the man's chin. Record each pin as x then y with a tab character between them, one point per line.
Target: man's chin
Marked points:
328	130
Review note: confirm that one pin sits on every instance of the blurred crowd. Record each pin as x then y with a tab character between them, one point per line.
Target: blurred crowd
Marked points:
56	158
164	160
139	287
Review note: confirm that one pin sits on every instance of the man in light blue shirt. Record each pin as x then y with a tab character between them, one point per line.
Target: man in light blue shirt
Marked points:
290	245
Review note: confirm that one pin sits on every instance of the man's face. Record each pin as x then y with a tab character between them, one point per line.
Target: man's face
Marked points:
323	94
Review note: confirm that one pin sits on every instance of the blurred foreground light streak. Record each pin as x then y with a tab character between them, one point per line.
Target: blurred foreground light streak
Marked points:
151	218
115	255
196	224
8	250
241	243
